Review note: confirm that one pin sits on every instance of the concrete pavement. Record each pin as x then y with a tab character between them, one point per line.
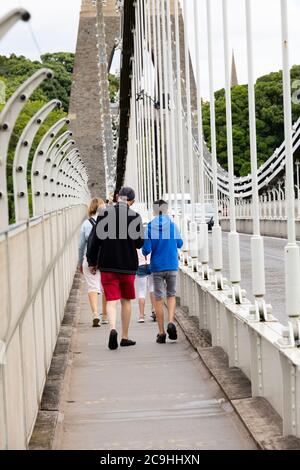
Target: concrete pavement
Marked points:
145	397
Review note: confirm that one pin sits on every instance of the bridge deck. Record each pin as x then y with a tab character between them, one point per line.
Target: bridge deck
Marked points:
147	397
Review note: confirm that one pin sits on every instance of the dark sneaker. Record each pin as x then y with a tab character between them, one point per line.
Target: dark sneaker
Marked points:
96	322
127	342
113	340
172	331
153	316
161	339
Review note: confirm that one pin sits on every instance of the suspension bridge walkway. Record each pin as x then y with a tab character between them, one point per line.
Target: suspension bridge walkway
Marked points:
232	379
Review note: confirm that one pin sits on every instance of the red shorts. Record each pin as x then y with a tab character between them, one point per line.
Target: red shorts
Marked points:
118	286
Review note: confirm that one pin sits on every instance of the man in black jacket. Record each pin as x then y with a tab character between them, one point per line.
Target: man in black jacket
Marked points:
112	249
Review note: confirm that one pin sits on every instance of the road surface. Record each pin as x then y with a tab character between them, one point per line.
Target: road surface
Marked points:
274	264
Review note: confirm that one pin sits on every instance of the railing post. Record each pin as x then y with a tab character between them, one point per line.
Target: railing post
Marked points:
203	232
37	169
292	261
217	231
20	164
11	18
8	118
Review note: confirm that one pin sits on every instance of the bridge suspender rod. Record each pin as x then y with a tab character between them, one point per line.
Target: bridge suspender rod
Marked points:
146	102
161	100
257	242
151	99
234	244
166	98
188	107
138	124
212	107
138	103
139	110
199	112
204	252
292	249
156	98
229	117
217	234
137	121
173	146
133	130
179	111
252	121
141	106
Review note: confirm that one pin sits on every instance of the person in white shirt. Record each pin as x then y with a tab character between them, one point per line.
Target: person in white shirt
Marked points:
144	284
93	281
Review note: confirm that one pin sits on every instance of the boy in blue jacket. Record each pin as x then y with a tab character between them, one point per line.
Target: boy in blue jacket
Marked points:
162	240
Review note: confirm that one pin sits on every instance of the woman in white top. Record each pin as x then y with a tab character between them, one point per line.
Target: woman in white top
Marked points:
93	281
144	284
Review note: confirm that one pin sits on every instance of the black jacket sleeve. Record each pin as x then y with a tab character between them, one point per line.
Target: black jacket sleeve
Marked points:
93	246
139	242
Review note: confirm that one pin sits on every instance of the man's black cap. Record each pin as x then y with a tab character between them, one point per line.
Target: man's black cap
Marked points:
128	193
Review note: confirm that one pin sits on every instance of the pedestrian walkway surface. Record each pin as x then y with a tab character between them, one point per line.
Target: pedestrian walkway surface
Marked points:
150	396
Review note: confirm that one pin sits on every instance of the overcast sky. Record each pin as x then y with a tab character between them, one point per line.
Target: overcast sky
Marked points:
55	25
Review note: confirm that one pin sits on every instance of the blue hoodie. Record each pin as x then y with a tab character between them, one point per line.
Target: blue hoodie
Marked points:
162	240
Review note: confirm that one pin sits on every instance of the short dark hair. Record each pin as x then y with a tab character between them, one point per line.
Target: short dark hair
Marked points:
160	207
126	194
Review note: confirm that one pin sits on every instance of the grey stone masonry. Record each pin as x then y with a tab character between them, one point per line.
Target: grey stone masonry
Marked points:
88	106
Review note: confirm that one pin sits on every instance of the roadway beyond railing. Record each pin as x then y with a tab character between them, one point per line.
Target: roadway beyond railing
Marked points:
260	349
269	227
37	269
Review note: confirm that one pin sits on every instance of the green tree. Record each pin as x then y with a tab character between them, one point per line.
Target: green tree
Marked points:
269	124
13	72
16	69
113	87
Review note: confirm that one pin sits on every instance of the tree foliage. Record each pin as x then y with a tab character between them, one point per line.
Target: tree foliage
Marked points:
113	87
16	70
269	123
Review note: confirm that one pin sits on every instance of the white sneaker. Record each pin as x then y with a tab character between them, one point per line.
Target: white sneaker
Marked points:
104	322
141	320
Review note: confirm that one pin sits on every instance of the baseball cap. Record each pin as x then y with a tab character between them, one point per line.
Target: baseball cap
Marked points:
128	193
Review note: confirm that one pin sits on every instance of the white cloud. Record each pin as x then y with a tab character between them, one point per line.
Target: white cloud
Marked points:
54	23
266	33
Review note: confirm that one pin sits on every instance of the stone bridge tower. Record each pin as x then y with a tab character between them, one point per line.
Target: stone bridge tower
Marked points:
99	27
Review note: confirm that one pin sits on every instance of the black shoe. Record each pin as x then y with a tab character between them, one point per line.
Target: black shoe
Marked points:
161	339
96	322
113	340
153	316
127	342
172	332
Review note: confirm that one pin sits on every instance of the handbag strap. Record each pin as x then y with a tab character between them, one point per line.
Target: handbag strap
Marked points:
92	221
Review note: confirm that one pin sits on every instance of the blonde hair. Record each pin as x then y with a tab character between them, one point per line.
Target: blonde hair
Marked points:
94	206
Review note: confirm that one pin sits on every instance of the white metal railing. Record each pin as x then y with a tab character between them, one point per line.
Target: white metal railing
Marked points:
261	350
38	262
38	255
